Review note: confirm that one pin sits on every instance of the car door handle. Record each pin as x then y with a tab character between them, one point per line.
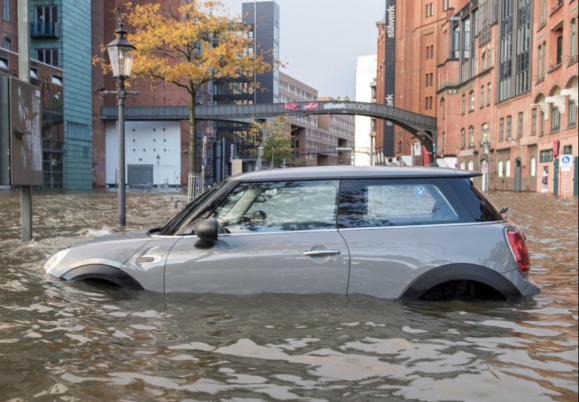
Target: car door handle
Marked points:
322	253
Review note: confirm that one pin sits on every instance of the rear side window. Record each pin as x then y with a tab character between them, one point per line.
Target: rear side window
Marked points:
408	202
480	208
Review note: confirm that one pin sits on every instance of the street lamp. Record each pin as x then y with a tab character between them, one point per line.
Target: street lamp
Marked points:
260	153
158	171
372	147
121	54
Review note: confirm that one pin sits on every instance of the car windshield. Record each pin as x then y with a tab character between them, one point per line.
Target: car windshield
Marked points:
171	227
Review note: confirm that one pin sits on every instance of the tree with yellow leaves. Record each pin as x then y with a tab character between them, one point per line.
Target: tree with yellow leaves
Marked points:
277	141
197	44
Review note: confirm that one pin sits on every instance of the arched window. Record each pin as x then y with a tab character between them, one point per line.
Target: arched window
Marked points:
572	113
443	108
471	166
471	135
534	166
462	165
508	168
501	168
484	61
485	133
462	138
559	50
472	101
489	91
482	96
555	119
463	105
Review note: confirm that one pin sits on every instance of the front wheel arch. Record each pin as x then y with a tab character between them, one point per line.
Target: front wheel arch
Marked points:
103	273
460	272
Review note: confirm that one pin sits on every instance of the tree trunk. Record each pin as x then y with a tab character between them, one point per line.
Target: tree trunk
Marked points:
192	137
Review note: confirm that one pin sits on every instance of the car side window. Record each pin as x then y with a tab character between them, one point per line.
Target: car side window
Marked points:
279	207
387	203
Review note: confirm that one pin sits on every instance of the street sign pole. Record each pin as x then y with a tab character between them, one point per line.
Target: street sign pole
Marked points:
24	75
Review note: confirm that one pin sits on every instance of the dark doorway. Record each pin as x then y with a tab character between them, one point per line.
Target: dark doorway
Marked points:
140	175
519	176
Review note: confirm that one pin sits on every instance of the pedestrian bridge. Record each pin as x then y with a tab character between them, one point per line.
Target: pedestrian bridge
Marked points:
423	127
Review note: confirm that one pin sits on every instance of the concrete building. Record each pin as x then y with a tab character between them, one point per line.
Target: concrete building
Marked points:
366	70
316	139
60	50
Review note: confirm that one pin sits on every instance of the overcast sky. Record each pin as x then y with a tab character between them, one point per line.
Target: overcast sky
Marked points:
321	40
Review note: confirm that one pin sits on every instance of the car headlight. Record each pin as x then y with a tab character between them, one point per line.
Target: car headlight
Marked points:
55	260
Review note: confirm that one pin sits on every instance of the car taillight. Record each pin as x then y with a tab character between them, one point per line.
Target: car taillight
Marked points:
519	249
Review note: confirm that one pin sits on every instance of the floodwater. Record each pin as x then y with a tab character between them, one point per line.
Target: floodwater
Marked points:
71	342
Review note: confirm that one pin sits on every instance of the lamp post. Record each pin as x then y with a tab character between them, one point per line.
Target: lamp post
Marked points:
372	147
121	54
158	171
260	153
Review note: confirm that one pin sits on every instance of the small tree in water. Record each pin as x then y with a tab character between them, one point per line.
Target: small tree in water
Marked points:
277	141
197	44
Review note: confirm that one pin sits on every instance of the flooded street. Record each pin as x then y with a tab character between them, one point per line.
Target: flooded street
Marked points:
70	342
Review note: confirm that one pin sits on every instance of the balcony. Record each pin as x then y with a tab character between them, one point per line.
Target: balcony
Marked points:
45	30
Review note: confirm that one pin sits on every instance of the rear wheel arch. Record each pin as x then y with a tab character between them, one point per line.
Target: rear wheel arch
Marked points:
103	273
456	273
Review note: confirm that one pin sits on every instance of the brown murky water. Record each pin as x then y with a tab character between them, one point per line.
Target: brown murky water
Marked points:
63	342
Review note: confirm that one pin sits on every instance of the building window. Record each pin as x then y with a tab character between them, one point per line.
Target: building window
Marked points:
471	136
482	97
485	133
546	156
542	13
534	122
559	50
501	168
463	105
540	71
6	10
573	45
508	168
523	81
7	44
47	56
533	166
568	150
471	166
463	138
555	119
542	123
3	63
502	130
443	108
472	101
521	123
463	165
489	88
509	128
572	113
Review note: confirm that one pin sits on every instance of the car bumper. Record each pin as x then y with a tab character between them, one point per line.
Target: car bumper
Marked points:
526	286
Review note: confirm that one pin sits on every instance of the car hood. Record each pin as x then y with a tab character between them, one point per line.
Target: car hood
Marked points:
113	251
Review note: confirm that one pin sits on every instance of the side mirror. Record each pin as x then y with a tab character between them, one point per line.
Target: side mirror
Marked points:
208	233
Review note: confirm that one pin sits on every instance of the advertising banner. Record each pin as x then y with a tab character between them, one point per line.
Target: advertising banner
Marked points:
302	106
390	73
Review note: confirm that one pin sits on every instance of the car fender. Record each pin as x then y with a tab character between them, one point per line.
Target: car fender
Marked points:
460	272
105	273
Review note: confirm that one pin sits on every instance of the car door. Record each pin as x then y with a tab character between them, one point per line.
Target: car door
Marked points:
276	237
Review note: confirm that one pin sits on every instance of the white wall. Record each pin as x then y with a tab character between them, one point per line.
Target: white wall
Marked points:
144	141
366	72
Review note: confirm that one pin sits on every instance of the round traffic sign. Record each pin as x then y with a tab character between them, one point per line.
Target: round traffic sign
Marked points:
485	168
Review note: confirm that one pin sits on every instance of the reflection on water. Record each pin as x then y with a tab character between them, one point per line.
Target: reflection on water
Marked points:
73	342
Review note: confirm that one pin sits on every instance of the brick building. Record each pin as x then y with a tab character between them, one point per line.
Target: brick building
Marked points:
503	77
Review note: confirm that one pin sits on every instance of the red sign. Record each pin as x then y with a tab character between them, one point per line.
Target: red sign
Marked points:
297	107
294	107
556	146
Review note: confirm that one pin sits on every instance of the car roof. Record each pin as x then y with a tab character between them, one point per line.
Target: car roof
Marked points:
353	172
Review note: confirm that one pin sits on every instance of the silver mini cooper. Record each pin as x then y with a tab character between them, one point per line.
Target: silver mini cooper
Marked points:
413	233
